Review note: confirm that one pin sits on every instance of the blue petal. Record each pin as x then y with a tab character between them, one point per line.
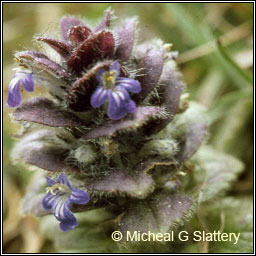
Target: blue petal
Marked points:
99	74
28	83
129	84
14	95
64	180
50	182
131	106
61	201
79	197
63	214
48	201
98	97
61	208
116	67
120	104
68	224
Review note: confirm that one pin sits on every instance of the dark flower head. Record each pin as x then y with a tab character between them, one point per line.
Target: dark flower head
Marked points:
115	88
21	76
60	197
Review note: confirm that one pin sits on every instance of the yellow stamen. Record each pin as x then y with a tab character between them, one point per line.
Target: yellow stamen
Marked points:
50	190
58	186
23	66
109	78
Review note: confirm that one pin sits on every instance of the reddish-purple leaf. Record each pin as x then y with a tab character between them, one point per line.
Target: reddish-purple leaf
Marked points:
192	131
172	86
194	136
133	121
78	98
169	92
46	112
32	54
67	23
126	37
63	48
105	22
95	48
132	183
78	34
42	62
47	158
34	149
150	67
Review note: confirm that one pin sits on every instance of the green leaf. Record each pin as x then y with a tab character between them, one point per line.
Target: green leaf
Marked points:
158	214
164	148
231	215
215	171
88	237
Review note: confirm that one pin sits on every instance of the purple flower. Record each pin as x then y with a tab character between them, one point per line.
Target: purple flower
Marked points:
115	88
20	77
59	198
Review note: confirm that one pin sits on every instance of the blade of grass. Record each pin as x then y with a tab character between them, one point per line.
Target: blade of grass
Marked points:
200	33
233	64
234	35
226	101
230	135
211	87
187	23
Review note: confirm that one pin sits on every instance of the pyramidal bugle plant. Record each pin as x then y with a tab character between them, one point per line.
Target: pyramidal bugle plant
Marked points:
112	143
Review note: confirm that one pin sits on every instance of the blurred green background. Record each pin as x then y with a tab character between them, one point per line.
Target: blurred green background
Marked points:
218	76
